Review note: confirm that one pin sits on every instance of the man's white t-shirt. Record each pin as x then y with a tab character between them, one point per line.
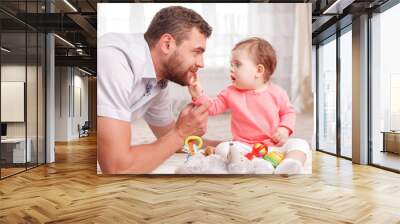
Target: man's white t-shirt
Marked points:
127	88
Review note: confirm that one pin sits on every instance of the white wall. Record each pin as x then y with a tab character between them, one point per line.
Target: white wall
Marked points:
62	81
69	82
80	83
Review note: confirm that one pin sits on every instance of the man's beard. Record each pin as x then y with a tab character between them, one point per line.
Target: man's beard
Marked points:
174	71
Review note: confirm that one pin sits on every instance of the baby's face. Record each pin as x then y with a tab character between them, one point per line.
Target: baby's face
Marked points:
243	70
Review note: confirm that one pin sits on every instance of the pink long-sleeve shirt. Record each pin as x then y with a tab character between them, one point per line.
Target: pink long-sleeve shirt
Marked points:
255	115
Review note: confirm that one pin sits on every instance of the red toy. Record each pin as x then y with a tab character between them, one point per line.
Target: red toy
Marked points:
259	150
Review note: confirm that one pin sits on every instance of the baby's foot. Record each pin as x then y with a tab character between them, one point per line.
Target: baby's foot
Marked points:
289	166
262	166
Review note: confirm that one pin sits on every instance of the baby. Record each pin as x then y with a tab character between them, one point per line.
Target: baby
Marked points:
260	110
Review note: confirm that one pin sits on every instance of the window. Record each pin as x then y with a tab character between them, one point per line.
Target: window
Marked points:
327	96
22	67
385	88
346	94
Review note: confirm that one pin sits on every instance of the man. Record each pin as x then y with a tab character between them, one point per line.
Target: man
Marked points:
132	74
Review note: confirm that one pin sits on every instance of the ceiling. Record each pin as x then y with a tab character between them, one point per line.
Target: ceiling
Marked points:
76	22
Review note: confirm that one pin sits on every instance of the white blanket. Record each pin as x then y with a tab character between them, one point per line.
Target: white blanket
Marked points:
217	164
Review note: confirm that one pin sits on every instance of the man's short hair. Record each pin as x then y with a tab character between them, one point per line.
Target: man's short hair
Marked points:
261	52
177	21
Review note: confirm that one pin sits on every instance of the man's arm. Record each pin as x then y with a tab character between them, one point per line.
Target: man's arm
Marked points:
161	131
115	154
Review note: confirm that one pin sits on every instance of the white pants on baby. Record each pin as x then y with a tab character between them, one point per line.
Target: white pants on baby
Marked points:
293	144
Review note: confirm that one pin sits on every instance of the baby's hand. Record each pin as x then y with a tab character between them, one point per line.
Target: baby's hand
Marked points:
281	136
194	87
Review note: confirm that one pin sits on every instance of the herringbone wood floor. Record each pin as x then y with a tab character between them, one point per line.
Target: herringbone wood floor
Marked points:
69	191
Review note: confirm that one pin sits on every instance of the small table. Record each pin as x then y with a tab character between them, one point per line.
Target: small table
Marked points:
13	150
391	141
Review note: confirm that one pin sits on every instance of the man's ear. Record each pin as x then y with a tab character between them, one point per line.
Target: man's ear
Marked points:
260	71
167	43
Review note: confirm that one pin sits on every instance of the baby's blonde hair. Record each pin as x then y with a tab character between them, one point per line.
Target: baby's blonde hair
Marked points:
261	52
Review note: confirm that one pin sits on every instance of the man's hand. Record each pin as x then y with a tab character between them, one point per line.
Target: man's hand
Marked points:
192	120
281	136
195	88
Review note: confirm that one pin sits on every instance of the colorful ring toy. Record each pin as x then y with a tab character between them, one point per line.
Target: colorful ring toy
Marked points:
199	141
193	143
